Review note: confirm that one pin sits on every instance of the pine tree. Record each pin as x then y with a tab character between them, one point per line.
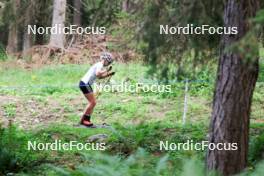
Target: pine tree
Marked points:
236	79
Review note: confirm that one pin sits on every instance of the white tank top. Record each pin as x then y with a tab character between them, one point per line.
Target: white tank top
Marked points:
90	76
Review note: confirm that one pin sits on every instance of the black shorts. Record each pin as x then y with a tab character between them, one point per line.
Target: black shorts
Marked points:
85	88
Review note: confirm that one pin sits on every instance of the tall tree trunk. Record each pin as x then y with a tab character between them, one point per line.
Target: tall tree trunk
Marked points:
58	18
27	38
12	43
1	5
235	84
125	5
77	12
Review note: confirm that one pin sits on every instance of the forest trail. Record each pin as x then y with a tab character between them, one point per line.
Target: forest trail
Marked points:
32	112
29	113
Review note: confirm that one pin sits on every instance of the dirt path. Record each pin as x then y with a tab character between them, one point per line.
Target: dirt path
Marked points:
30	112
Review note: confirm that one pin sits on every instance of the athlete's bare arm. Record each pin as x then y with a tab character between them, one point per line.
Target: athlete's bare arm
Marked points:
103	73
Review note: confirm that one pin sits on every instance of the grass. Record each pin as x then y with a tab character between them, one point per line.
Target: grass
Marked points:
62	75
139	122
136	144
10	110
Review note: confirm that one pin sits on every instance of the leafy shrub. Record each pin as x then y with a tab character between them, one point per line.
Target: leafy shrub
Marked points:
144	164
126	140
14	155
140	163
256	151
257	171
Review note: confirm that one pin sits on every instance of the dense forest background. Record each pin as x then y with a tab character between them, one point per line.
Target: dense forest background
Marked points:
217	87
136	23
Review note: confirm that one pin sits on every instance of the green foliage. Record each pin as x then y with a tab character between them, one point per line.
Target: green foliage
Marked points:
138	121
51	90
258	21
259	17
59	79
10	110
256	148
100	12
141	163
126	139
138	164
248	47
194	167
261	73
257	171
125	28
14	155
180	52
